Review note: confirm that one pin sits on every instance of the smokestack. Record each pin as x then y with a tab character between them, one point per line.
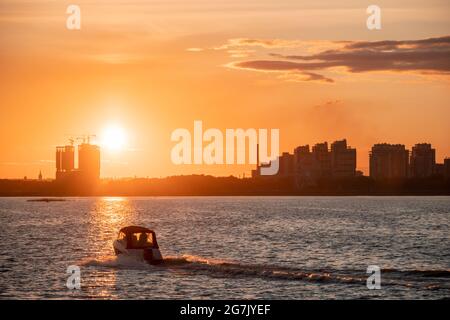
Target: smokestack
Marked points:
257	156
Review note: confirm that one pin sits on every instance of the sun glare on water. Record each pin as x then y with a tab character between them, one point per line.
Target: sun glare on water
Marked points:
113	138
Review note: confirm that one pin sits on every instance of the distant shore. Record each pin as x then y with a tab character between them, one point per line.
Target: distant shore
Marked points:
203	185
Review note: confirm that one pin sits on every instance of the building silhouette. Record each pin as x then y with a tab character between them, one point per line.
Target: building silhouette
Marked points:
88	171
446	169
65	161
308	166
286	165
422	161
388	161
304	164
321	160
89	161
343	160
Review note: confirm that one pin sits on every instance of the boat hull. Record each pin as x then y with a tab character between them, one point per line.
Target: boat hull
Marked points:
150	255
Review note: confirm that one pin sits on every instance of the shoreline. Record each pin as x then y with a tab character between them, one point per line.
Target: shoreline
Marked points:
203	185
42	198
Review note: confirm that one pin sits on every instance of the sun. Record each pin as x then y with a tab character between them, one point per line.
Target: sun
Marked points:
113	138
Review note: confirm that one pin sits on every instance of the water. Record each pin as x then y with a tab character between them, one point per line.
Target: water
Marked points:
229	247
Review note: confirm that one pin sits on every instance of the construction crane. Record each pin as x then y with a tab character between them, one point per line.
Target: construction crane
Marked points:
71	138
85	138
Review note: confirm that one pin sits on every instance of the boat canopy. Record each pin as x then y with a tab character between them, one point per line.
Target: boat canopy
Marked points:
138	237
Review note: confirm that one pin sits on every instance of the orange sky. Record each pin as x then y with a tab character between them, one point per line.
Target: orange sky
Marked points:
154	66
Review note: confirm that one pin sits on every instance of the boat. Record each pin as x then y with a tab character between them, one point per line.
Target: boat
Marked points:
138	242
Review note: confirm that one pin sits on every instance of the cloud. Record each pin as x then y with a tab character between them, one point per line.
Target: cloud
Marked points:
240	53
425	56
265	43
291	71
305	76
194	49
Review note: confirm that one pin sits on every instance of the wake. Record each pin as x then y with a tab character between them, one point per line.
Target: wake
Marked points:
191	264
218	268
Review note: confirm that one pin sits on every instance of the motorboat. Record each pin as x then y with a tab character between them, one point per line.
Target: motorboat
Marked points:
138	242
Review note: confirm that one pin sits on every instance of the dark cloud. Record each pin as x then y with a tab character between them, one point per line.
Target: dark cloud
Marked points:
424	56
316	77
392	44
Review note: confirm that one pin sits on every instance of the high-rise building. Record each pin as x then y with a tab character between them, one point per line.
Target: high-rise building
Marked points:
343	160
422	160
88	171
438	170
65	161
388	161
304	163
286	165
322	160
89	161
322	163
447	168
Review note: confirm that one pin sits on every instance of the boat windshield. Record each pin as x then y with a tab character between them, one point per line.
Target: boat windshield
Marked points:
142	240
